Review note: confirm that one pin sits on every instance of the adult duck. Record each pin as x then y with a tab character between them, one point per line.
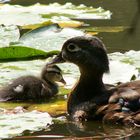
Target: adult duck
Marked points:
91	98
33	88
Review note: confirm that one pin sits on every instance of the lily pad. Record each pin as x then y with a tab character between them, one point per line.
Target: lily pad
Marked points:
120	72
10	49
131	57
37	14
8	34
16	53
49	38
12	125
105	29
76	12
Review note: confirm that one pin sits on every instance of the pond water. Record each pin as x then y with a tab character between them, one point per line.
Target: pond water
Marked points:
124	16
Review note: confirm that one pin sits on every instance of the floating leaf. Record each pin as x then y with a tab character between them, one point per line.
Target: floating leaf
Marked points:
49	38
8	34
131	57
70	23
54	108
38	14
105	29
13	53
34	26
120	72
76	12
11	50
12	125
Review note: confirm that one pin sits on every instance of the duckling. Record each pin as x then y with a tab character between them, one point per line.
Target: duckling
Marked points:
90	98
33	88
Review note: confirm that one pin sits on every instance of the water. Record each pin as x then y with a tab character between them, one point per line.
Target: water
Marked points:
124	15
88	130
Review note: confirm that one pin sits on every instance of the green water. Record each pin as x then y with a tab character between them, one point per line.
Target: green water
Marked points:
125	16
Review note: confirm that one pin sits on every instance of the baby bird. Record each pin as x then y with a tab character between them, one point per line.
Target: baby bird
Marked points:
33	88
90	98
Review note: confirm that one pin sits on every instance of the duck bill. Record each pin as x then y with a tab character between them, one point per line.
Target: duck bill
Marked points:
57	59
63	81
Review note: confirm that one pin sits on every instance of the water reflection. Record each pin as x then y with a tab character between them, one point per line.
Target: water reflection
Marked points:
90	130
98	130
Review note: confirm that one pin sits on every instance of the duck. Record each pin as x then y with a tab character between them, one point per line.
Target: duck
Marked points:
90	98
34	88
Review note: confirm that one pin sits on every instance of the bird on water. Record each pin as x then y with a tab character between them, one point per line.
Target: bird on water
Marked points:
33	88
91	98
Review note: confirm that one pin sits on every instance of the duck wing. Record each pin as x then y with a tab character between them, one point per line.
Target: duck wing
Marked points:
123	105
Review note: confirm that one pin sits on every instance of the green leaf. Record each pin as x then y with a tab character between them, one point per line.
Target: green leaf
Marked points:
13	53
42	42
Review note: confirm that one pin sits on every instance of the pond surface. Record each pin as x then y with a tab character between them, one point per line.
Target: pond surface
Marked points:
126	13
124	16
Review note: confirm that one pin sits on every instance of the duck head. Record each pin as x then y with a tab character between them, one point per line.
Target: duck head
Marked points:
53	74
87	52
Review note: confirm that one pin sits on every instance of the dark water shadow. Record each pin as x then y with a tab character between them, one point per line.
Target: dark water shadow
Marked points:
135	21
86	131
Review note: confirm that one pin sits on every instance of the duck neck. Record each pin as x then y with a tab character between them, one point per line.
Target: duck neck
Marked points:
89	87
92	82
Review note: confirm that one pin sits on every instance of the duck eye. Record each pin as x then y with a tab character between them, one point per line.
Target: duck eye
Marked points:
73	47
